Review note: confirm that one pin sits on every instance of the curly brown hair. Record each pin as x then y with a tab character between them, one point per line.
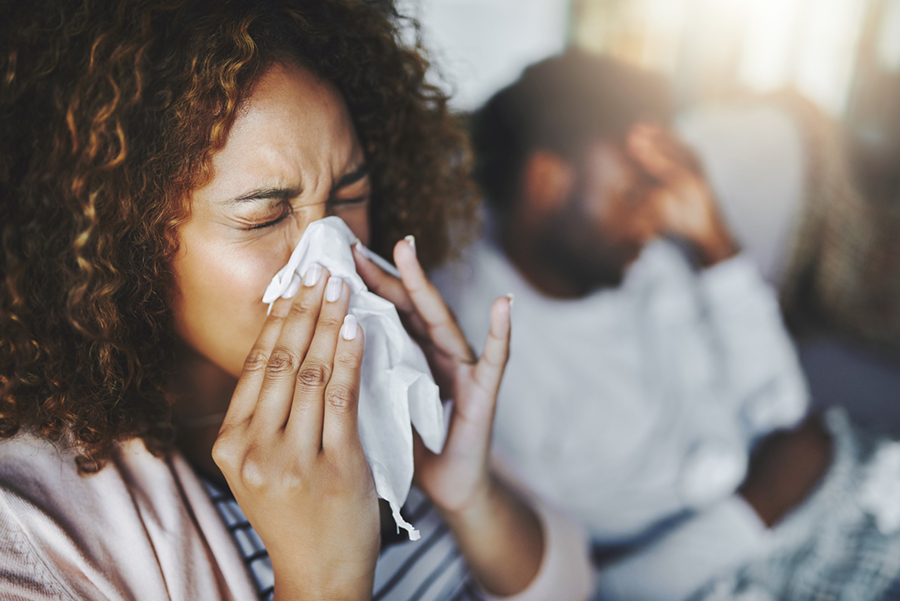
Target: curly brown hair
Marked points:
109	116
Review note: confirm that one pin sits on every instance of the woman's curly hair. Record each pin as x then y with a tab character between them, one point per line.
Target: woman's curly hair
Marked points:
109	114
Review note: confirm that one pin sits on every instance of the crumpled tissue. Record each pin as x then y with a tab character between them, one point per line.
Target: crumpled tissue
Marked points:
397	388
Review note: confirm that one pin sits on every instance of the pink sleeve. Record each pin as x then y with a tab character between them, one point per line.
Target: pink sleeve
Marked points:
565	573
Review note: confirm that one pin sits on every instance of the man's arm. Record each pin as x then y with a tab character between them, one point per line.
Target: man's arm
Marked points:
758	358
786	467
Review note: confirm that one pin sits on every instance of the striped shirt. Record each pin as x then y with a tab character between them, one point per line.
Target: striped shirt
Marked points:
430	569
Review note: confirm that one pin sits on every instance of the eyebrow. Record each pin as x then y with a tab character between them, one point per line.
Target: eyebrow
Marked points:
352	177
282	193
265	194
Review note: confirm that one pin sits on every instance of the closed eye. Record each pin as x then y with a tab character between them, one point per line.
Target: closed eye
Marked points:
267	224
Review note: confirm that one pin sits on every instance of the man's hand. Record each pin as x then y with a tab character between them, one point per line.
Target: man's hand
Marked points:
785	469
685	206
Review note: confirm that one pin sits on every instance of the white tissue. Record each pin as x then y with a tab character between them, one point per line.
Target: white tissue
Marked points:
397	388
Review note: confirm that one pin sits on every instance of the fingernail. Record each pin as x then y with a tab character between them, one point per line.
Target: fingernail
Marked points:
293	287
358	245
333	289
412	241
348	330
312	275
512	298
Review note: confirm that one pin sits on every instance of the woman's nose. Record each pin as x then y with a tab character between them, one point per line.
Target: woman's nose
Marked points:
294	233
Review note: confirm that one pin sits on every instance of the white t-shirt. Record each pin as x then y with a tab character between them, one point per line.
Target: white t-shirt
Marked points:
637	404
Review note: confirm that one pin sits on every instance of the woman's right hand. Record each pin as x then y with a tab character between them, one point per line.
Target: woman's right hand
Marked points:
290	449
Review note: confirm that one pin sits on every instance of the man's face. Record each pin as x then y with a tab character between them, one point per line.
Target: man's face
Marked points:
603	225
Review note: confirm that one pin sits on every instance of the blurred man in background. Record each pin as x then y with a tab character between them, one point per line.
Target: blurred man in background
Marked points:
649	357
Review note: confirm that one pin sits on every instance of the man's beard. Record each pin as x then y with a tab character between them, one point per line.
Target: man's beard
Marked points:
571	246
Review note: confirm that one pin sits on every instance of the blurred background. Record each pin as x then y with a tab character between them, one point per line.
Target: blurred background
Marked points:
793	107
844	55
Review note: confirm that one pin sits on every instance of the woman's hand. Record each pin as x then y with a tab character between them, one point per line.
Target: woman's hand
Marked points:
497	532
290	449
460	473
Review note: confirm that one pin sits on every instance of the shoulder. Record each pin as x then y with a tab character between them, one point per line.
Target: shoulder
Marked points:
87	535
37	470
24	459
42	502
46	474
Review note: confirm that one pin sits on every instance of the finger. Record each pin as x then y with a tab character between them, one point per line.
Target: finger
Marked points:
307	409
389	287
443	330
289	352
492	363
422	459
472	419
246	393
679	152
646	147
380	282
340	430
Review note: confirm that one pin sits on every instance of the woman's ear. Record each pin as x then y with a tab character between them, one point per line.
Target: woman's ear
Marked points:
547	182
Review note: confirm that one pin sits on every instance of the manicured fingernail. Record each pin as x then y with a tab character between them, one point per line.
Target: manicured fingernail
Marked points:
312	275
412	241
348	330
293	287
358	245
512	298
333	289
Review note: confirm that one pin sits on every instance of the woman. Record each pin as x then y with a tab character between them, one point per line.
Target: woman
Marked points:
159	163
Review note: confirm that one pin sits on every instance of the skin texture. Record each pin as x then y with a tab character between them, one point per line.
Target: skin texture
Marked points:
294	135
288	445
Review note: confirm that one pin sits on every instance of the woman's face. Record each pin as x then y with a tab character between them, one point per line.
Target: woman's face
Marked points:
292	157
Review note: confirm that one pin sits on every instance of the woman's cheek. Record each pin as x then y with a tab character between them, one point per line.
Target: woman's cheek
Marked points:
240	275
222	311
250	277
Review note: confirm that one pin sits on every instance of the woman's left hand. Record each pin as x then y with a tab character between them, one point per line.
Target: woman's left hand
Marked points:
499	534
459	476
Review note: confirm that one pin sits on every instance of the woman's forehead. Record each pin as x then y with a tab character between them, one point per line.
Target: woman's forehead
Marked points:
289	100
294	131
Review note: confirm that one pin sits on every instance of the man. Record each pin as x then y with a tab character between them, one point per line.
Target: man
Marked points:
648	356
